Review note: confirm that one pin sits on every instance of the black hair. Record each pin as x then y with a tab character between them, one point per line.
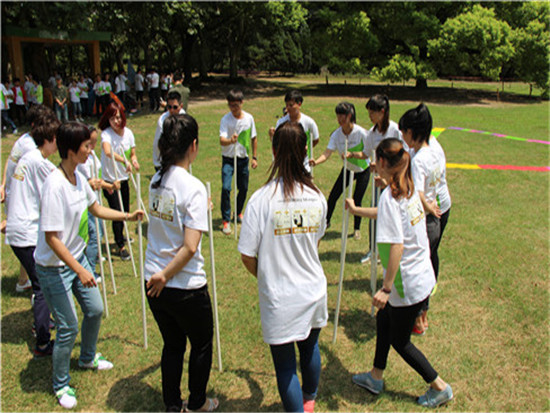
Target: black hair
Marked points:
174	95
37	111
177	76
419	121
346	108
294	95
289	146
377	103
44	127
235	95
70	136
178	133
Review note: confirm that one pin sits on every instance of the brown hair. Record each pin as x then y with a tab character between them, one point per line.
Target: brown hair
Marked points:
289	146
111	111
398	165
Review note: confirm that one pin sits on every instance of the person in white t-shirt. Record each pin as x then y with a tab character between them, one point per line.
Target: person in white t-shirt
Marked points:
98	92
36	116
356	137
5	93
83	86
174	107
91	170
237	138
119	142
293	107
154	91
408	274
23	215
378	107
428	172
139	81
74	92
177	289
61	264
282	227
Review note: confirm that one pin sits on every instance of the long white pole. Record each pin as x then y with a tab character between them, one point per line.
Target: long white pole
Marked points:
105	236
122	209
141	269
98	241
373	250
235	188
345	223
213	270
141	204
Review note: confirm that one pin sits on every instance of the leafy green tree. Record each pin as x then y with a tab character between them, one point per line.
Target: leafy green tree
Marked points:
474	43
399	69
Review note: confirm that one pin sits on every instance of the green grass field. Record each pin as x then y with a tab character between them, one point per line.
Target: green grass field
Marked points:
488	336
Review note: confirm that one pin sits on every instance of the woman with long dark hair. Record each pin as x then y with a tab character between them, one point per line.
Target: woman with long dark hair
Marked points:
176	281
282	226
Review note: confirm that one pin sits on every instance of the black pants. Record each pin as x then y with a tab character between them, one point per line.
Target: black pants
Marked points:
435	227
154	99
181	315
112	199
393	327
41	313
362	179
20	112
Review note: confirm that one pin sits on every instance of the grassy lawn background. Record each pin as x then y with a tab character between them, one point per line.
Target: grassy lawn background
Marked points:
488	331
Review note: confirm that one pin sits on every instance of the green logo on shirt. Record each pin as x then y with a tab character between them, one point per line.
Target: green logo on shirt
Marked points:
244	139
83	226
384	250
361	163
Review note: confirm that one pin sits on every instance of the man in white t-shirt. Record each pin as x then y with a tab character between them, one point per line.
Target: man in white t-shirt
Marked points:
120	85
154	92
237	139
293	105
139	81
175	106
5	106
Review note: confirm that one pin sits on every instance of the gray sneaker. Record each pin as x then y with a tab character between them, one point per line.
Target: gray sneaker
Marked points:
434	398
366	381
366	258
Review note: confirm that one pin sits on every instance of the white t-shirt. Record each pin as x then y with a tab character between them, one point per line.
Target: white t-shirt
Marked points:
4	103
154	79
106	87
119	144
64	209
291	283
179	202
98	88
24	144
442	190
19	96
230	125
83	86
120	83
139	82
158	132
312	133
374	138
403	222
91	168
357	141
75	94
24	200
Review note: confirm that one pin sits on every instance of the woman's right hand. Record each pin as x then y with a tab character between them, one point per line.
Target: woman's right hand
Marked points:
312	162
156	284
86	278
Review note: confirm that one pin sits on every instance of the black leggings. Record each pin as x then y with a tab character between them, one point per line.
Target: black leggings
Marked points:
112	199
393	327
362	179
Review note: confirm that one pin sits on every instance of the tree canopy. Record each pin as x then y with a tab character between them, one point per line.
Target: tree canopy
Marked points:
395	41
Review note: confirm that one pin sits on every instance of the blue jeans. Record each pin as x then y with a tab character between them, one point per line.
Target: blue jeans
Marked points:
6	119
58	285
92	249
227	180
62	113
284	359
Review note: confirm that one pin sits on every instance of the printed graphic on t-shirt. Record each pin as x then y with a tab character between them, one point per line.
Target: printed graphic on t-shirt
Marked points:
19	172
297	221
415	211
83	226
435	177
162	205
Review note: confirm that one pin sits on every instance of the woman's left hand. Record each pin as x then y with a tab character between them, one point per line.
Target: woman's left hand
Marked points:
135	163
380	299
156	284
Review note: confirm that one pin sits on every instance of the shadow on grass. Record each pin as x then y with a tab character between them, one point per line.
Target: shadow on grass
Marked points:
16	327
251	403
358	325
333	386
128	394
335	256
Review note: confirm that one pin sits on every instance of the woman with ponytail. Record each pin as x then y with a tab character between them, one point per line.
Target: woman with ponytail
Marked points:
176	281
408	274
428	172
283	224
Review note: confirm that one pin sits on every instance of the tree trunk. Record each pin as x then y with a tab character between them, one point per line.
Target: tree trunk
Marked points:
421	84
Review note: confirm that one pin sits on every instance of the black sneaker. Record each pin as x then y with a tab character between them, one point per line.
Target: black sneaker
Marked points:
47	351
124	255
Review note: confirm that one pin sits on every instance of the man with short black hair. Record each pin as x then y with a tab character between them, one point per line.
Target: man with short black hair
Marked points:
174	107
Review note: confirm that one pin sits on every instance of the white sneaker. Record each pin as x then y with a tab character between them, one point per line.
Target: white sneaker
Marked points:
226	228
98	363
366	258
66	397
22	288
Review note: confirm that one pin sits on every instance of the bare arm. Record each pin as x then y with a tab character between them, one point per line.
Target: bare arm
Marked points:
365	212
113	215
156	283
57	246
254	162
429	207
251	264
228	141
324	156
